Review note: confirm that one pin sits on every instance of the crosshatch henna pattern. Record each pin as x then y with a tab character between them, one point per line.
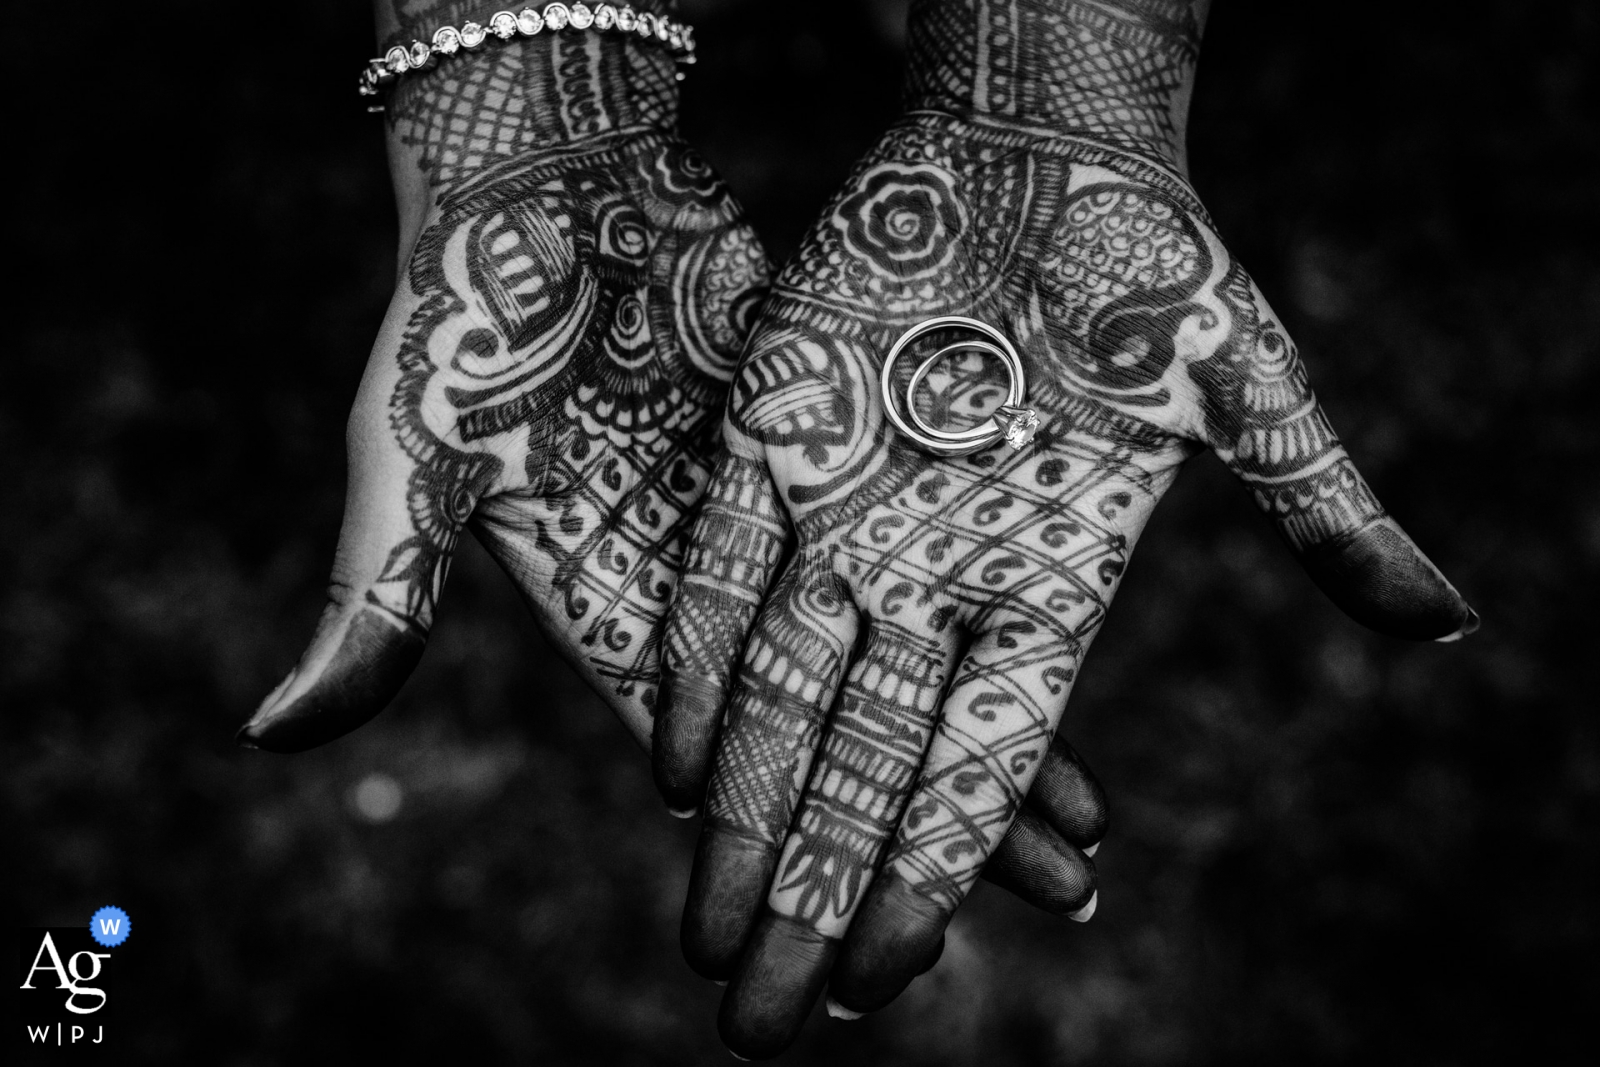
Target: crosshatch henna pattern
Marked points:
552	372
1119	70
533	375
907	669
553	369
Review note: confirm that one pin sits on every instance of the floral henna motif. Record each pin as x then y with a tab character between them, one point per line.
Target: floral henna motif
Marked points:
1260	416
1036	186
587	323
577	294
1144	341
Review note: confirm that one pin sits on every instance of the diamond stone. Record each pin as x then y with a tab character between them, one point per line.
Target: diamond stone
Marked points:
397	59
646	26
627	19
582	17
1020	429
605	17
529	22
504	25
556	16
447	40
472	35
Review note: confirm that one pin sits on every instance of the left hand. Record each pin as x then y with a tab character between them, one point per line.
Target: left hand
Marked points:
941	608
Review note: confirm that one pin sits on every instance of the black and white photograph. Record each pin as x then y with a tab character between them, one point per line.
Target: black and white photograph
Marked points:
586	534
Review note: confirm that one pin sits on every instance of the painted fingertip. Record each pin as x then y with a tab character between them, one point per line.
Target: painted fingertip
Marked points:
1085	913
255	728
1470	626
683	813
781	976
1092	849
839	1011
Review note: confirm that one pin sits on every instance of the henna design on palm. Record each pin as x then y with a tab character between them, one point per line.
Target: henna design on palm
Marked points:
970	590
551	371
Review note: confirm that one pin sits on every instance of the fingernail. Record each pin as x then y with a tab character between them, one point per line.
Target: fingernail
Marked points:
735	1055
1092	849
1085	913
1468	627
839	1011
723	982
246	737
683	813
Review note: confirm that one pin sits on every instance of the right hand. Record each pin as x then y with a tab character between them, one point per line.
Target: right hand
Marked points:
551	370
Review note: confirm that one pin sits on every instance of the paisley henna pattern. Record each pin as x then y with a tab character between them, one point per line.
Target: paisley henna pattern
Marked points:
580	310
1142	342
1033	187
578	314
564	334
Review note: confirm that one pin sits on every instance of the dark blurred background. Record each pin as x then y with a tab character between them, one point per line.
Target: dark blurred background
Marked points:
1327	846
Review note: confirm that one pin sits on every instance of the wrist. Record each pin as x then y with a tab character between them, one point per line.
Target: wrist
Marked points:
510	97
403	21
1122	69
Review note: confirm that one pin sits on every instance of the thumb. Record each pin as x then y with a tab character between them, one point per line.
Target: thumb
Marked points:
409	493
1269	429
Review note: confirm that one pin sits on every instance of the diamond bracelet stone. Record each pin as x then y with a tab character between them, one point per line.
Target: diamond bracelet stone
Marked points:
676	37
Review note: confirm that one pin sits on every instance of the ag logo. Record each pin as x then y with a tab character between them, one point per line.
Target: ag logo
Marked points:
64	992
71	970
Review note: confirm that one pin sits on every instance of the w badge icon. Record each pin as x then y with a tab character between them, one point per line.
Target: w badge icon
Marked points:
110	926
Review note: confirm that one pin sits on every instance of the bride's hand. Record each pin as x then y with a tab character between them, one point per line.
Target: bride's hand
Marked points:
551	371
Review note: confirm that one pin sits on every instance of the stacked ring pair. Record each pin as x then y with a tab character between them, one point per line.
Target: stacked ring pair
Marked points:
1012	423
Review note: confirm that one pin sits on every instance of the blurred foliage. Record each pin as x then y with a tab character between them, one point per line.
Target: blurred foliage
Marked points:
1328	846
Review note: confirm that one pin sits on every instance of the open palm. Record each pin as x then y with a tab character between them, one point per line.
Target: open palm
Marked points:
551	370
912	657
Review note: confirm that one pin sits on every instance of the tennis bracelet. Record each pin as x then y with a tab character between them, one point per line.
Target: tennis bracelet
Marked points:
677	37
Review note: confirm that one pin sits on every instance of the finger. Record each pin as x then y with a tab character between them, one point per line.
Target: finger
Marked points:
736	546
777	981
1043	855
595	546
1068	797
1268	428
407	497
839	1011
993	733
876	741
1035	863
789	675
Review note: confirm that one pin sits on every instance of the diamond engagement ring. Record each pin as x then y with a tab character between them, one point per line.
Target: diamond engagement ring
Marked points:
1012	423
